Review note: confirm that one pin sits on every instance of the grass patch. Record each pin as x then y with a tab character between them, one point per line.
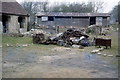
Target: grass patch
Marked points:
15	40
24	40
114	49
115	26
114	37
40	47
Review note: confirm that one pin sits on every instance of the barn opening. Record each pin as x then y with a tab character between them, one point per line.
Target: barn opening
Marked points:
5	21
50	18
92	20
21	21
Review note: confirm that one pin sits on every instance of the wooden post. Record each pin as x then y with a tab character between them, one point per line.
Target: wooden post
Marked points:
57	29
100	30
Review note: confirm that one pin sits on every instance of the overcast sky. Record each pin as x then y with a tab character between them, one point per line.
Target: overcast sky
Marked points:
108	4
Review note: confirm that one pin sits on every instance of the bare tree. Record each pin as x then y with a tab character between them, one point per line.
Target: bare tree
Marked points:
98	6
45	6
32	8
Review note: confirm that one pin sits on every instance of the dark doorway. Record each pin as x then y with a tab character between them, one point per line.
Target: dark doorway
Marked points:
5	21
21	21
50	18
92	20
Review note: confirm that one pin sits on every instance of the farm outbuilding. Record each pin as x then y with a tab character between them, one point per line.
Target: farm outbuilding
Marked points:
14	17
72	19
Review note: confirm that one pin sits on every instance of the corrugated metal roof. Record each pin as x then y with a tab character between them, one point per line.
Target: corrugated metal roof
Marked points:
71	14
12	8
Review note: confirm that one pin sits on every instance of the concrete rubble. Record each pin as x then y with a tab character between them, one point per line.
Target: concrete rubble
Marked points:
104	55
18	45
98	51
8	45
33	32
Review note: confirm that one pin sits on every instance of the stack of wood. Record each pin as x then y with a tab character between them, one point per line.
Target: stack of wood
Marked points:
38	38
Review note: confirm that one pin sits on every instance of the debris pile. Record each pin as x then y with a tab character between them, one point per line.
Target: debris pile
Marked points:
38	38
33	32
67	38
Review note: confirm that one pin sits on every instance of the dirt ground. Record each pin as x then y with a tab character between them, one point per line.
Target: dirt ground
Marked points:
56	62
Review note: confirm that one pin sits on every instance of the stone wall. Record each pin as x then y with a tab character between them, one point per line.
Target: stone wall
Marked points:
14	26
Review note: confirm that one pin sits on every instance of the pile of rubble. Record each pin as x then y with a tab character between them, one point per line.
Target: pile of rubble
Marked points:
67	38
33	32
38	38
